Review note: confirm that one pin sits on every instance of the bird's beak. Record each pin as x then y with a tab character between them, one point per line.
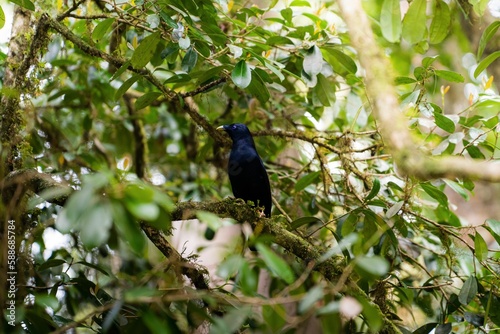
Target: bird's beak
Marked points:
221	128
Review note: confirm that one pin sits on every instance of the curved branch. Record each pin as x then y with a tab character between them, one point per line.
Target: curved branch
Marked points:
16	184
310	138
189	106
379	79
331	268
15	82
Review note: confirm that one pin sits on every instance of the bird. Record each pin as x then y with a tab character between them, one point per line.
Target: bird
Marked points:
247	174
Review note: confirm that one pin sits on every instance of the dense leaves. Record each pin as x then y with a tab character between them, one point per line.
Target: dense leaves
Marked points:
122	108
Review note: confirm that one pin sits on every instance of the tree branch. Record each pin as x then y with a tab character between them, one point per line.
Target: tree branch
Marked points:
17	183
331	268
379	83
14	83
188	104
305	136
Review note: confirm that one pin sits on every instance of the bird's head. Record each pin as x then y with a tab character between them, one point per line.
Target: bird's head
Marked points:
236	131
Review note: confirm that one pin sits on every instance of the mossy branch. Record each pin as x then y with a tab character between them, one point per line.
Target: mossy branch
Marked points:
187	105
332	268
380	90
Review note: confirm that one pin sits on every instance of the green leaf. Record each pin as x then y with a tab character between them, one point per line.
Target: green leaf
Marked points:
146	99
300	3
276	264
275	70
95	225
47	301
24	3
468	291
176	78
494	225
141	210
287	14
50	263
435	193
428	61
212	220
306	180
374	266
168	20
230	266
140	292
458	188
404	80
304	221
473	150
258	88
440	23
279	40
274	317
313	61
390	20
145	51
163	200
393	210
2	18
157	324
128	227
120	71
241	75
93	266
342	246
349	225
330	308
126	85
69	218
231	321
414	22
486	62
310	299
101	28
214	32
444	122
189	60
480	247
486	37
375	189
248	280
344	60
449	75
372	316
324	90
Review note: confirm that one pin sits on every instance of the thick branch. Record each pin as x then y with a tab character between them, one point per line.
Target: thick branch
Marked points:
241	212
379	82
331	268
195	273
191	108
17	183
16	70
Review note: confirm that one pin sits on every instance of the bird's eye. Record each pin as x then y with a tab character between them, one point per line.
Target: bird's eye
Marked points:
233	127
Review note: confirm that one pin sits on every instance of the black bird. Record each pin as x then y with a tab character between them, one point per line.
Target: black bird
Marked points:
247	174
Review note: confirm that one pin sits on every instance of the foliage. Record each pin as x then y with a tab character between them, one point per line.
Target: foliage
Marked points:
122	106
